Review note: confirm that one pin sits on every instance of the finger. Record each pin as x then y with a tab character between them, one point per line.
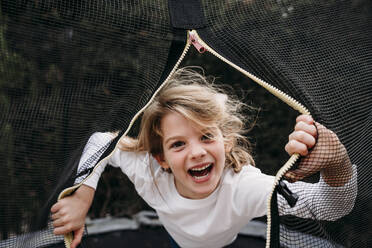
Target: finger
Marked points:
61	230
293	146
308	128
292	177
300	173
56	207
304	138
78	234
296	175
59	214
59	222
305	118
55	216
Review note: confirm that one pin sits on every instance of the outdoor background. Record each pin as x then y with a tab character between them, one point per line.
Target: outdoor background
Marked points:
55	64
22	78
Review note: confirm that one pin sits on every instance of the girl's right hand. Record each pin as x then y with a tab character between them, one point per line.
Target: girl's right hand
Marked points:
69	213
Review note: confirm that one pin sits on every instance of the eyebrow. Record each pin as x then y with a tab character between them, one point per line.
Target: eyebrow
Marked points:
204	131
173	138
212	130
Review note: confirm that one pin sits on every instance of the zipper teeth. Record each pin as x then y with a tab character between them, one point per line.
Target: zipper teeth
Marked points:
282	96
278	176
68	237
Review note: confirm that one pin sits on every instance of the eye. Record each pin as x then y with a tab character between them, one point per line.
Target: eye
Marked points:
177	144
207	137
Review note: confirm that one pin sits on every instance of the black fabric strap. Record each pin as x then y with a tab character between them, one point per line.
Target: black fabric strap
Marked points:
274	235
187	14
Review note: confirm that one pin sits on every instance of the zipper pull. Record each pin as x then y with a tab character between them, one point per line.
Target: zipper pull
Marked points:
287	194
195	42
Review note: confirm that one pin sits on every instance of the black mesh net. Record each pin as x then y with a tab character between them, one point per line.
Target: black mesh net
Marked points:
319	54
71	68
68	69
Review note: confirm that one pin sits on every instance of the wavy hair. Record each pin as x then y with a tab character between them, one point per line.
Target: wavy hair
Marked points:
190	94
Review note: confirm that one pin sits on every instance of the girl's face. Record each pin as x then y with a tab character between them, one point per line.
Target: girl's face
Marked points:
196	157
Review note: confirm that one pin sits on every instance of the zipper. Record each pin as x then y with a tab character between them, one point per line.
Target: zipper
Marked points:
194	39
201	46
68	191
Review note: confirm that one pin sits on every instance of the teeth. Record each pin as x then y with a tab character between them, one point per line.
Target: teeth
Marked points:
201	176
201	168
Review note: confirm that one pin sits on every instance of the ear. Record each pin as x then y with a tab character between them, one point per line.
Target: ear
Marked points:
161	161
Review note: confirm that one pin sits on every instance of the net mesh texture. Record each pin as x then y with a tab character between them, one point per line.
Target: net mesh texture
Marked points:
72	68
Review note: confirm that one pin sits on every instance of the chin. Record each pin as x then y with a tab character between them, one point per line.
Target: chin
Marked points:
206	190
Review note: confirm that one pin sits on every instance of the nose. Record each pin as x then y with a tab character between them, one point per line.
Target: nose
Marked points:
197	151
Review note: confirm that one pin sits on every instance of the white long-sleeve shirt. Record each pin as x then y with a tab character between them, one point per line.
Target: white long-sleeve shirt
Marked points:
216	220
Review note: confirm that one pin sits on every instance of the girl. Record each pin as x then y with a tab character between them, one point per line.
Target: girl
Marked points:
191	164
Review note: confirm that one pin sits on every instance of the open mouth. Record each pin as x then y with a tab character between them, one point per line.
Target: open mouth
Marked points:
201	172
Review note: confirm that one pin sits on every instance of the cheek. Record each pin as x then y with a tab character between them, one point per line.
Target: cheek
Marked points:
174	159
221	153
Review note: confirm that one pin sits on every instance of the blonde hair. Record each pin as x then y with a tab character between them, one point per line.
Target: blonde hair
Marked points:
191	95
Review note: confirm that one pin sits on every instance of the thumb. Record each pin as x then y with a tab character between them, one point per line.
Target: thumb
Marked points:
296	175
78	234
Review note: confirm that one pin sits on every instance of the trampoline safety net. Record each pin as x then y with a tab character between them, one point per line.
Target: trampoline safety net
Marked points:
72	68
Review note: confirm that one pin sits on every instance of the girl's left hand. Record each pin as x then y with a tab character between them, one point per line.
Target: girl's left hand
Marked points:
303	137
300	141
328	156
